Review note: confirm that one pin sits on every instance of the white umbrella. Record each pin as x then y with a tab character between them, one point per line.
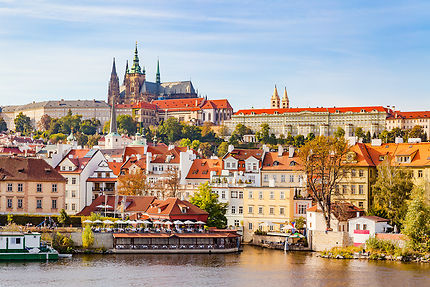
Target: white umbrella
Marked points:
177	222
120	222
287	227
189	222
200	222
87	221
130	222
107	222
103	206
168	222
140	221
147	222
157	222
97	221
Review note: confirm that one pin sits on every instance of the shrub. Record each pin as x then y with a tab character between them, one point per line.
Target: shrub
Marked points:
87	237
23	219
62	243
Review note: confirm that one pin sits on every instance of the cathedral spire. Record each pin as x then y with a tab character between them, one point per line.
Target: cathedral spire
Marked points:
126	72
157	75
275	101
136	67
113	89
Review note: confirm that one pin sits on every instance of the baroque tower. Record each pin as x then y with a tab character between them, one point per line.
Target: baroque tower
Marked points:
113	90
285	103
275	101
134	79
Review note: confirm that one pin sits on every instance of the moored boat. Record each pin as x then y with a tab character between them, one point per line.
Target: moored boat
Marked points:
24	246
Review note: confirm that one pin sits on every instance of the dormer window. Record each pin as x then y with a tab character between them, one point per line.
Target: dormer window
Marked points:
183	209
292	163
381	158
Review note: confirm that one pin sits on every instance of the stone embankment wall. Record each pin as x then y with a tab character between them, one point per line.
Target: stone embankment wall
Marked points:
258	239
101	240
321	240
396	238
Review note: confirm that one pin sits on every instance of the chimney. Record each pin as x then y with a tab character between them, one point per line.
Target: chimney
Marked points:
358	213
291	151
265	148
398	140
376	142
280	150
138	156
230	148
171	146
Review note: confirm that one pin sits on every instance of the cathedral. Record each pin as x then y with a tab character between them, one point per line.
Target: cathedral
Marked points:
136	88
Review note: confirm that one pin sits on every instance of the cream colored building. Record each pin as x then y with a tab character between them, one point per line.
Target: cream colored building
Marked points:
55	109
302	121
407	120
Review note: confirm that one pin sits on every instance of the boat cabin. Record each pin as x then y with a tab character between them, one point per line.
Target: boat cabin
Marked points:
11	241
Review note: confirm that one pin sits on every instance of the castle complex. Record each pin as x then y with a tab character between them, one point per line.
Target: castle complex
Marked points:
136	88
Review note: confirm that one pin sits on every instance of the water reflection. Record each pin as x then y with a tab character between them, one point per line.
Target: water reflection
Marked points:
254	267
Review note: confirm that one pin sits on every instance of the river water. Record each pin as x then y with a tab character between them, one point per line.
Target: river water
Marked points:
253	267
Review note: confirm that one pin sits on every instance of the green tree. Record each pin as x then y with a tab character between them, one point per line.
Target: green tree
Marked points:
3	125
195	144
300	223
222	131
172	129
64	218
359	132
23	123
391	191
205	150
339	133
87	237
185	143
417	132
417	221
367	138
126	124
82	139
240	131
309	137
290	139
299	140
387	137
93	140
263	135
89	127
9	218
55	138
106	127
222	149
191	132
207	200
44	123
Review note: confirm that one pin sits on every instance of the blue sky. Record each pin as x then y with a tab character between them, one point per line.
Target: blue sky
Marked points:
327	53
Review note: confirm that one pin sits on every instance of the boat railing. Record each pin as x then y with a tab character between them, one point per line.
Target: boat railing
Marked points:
174	246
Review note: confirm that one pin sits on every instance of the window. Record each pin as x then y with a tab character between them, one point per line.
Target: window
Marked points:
250	195
274	178
357	227
67	180
9	203
39	187
54	187
227	165
70	168
223	194
260	210
236	222
361	189
19	202
73	193
73	180
281	210
344	189
302	209
260	195
364	226
361	173
38	203
54	204
9	187
282	195
17	240
240	194
66	206
271	228
291	178
250	225
272	195
20	187
420	173
233	194
360	204
353	172
266	178
282	177
353	189
73	206
272	210
233	209
250	209
240	209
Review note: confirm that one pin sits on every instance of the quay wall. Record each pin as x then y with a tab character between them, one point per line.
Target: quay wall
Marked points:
101	240
321	240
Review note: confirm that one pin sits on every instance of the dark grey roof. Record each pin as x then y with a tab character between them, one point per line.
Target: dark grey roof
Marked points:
182	87
150	88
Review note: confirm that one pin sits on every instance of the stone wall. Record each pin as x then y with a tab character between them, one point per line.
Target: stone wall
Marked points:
396	238
101	240
321	240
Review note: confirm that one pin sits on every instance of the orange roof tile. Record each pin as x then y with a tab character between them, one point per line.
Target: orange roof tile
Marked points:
202	168
272	161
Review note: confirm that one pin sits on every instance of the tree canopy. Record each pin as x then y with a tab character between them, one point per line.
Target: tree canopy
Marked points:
23	124
207	200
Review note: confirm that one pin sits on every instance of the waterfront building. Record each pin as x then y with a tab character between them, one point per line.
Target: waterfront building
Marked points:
30	186
104	179
77	166
364	227
55	109
137	88
302	121
407	120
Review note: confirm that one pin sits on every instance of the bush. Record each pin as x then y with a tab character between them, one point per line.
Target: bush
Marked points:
260	232
62	243
386	246
23	219
87	237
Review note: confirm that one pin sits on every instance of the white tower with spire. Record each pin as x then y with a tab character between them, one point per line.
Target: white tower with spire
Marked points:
113	140
275	101
285	102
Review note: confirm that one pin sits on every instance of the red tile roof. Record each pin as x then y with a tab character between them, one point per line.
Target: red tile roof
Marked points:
217	104
171	209
178	104
272	161
315	110
243	154
133	204
411	115
27	169
202	168
115	167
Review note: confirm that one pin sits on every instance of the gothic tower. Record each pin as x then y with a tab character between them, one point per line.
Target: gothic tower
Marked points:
134	80
285	103
113	90
274	101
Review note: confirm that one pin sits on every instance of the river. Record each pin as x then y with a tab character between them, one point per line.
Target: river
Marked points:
253	267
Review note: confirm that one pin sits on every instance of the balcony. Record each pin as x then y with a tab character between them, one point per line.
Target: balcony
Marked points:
103	189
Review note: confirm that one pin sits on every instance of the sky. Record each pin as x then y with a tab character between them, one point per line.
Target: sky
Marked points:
326	53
